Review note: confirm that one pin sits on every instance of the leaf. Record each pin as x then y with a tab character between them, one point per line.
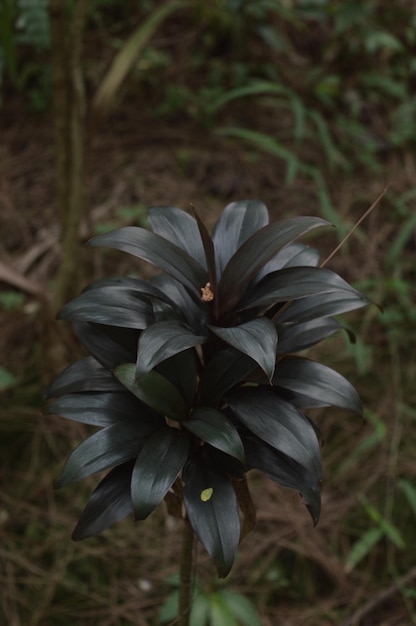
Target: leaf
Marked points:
179	228
409	492
285	471
113	445
215	522
226	369
181	371
316	382
104	409
109	503
220	612
216	429
7	379
83	375
156	250
237	222
157	466
301	336
362	548
114	306
256	338
256	252
209	251
240	607
279	424
292	255
154	390
163	340
109	345
193	310
293	283
323	305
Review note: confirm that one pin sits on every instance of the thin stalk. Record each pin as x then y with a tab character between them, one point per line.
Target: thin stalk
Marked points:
185	574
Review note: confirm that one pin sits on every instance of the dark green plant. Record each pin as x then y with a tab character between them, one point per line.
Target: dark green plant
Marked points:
192	378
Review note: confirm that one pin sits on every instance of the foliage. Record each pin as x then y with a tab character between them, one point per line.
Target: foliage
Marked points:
192	377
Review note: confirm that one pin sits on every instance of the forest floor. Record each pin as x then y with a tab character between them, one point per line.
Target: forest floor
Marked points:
295	574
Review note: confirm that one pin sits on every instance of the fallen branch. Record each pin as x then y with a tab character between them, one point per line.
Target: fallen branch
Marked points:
14	278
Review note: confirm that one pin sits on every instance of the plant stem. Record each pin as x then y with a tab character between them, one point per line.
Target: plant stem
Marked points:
185	582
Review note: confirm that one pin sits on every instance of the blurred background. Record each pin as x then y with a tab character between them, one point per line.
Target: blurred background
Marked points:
110	107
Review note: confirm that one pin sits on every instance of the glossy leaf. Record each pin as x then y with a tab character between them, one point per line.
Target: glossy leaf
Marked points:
109	345
285	471
301	336
316	382
114	306
156	250
323	305
209	251
294	283
216	429
215	521
111	446
192	309
157	466
256	252
256	338
163	340
154	390
104	409
179	228
109	503
237	222
292	255
226	368
83	375
279	424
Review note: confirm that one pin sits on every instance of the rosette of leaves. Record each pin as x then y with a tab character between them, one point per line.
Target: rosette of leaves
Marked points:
192	377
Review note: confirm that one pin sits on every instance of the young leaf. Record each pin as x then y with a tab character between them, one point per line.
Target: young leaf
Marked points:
216	429
256	338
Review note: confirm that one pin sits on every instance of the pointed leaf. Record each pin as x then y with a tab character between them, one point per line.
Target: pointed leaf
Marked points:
209	251
216	429
294	283
104	409
163	340
114	306
323	305
316	382
156	250
215	520
179	228
109	345
83	375
285	471
109	503
193	310
256	338
301	336
226	369
157	466
237	222
113	445
278	423
292	255
256	252
154	390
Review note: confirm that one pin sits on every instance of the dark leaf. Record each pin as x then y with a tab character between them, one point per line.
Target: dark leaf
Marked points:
256	338
256	252
285	471
163	340
301	336
109	345
179	228
292	255
108	504
154	390
114	306
294	283
216	429
83	375
279	424
156	250
181	371
317	383
211	506
237	222
226	369
157	466
323	305
104	409
192	309
209	254
113	445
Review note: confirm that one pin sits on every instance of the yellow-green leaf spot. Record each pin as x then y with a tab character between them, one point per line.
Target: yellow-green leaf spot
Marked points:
206	494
